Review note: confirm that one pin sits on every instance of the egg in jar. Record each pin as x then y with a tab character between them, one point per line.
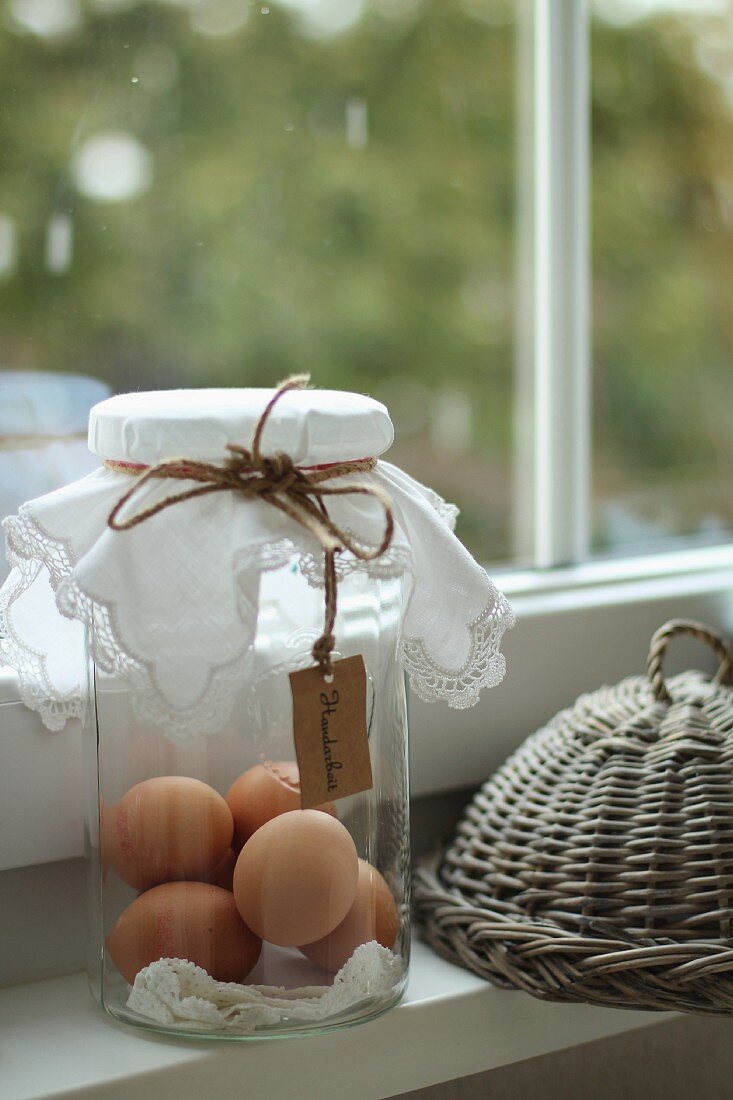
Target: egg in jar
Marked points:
296	878
372	916
263	792
184	920
167	828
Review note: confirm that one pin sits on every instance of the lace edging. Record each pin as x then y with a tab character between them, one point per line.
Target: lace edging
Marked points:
26	553
394	562
484	667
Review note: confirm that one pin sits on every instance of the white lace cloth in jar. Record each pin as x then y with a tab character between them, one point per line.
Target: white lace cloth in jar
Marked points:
177	992
172	605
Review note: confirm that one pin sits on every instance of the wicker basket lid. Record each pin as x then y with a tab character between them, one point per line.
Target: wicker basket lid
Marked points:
597	863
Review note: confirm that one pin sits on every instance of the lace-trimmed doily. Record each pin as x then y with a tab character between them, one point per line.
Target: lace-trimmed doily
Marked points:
186	645
177	992
484	668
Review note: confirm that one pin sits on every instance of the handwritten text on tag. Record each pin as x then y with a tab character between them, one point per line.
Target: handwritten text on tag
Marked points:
330	730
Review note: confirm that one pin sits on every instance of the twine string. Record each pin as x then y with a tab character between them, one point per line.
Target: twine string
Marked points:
299	493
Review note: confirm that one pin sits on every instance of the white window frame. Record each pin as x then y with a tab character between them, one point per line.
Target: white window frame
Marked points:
561	280
580	623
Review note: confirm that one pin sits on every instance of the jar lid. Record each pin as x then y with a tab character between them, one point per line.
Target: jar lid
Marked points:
34	403
312	426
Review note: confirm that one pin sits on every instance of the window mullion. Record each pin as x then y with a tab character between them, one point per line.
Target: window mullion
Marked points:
561	281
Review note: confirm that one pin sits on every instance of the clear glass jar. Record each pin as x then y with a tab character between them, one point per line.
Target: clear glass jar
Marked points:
226	593
163	855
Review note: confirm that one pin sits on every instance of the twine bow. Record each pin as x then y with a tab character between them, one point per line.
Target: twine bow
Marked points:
298	492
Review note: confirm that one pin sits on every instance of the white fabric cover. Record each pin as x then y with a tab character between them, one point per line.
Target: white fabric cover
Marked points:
312	426
173	602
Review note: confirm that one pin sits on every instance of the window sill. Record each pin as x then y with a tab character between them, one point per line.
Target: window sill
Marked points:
450	1025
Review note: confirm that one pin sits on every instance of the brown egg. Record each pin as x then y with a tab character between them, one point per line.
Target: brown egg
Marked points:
184	920
295	879
373	916
223	873
262	793
167	828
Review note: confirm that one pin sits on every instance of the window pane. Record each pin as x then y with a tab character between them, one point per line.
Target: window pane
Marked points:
216	192
663	271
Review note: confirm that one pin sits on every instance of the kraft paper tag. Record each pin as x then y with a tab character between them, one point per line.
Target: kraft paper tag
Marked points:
330	730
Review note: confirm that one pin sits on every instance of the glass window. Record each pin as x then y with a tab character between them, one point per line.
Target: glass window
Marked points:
221	192
662	210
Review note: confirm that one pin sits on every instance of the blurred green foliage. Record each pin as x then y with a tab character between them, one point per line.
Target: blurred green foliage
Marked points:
663	269
272	239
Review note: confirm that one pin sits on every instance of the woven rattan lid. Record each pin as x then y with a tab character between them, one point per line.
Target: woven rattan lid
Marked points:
597	863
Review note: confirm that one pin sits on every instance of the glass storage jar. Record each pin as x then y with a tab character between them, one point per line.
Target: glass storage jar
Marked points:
165	848
241	587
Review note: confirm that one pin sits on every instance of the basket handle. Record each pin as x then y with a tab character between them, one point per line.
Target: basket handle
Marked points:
704	633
